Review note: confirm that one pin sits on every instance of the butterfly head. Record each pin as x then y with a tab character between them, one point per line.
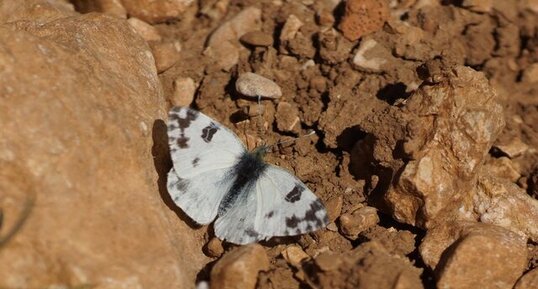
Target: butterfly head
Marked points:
261	151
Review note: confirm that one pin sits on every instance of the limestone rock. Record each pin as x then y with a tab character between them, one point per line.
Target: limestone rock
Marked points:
254	85
81	112
290	29
166	54
294	255
184	90
362	17
503	203
334	207
528	281
239	268
351	225
223	45
371	62
514	148
530	74
155	11
444	129
472	255
214	248
287	117
111	7
257	38
148	32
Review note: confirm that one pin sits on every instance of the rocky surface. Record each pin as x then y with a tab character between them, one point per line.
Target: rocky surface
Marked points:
459	252
360	268
422	125
239	268
81	108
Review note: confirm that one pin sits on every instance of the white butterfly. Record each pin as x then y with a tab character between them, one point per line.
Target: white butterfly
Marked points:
215	176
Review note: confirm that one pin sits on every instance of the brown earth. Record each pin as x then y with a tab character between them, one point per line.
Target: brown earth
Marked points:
425	148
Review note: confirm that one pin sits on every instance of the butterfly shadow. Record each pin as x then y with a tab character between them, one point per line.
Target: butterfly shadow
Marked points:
163	164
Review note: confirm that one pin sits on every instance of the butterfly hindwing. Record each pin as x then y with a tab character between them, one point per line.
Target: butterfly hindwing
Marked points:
285	206
237	224
199	196
203	152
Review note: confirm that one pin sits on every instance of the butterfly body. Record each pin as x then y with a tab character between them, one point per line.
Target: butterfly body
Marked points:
215	177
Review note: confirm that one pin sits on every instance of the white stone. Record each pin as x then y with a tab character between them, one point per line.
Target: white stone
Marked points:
254	85
184	90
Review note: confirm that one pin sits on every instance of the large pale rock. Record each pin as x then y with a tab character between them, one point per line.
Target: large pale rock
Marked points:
503	203
474	255
239	268
80	110
440	137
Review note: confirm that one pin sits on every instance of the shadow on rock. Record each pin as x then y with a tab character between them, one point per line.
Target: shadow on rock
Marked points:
163	164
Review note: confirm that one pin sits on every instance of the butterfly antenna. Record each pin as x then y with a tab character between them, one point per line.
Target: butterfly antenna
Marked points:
259	122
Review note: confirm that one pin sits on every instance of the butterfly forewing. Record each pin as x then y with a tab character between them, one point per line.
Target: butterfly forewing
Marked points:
203	151
198	143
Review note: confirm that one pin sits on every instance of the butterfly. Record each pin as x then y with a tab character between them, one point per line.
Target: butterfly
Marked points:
215	176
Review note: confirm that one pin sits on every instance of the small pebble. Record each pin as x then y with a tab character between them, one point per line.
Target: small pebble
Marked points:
166	54
514	148
290	29
334	207
287	118
370	63
325	18
328	261
214	248
351	225
239	268
254	85
257	38
530	74
184	90
254	110
148	32
294	255
362	17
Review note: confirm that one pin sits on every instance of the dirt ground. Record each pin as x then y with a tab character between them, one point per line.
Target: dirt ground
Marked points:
358	90
334	97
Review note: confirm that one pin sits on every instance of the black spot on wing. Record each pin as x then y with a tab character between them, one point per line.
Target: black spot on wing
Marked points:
295	194
183	141
310	216
292	221
176	121
269	215
195	162
182	185
209	131
252	233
